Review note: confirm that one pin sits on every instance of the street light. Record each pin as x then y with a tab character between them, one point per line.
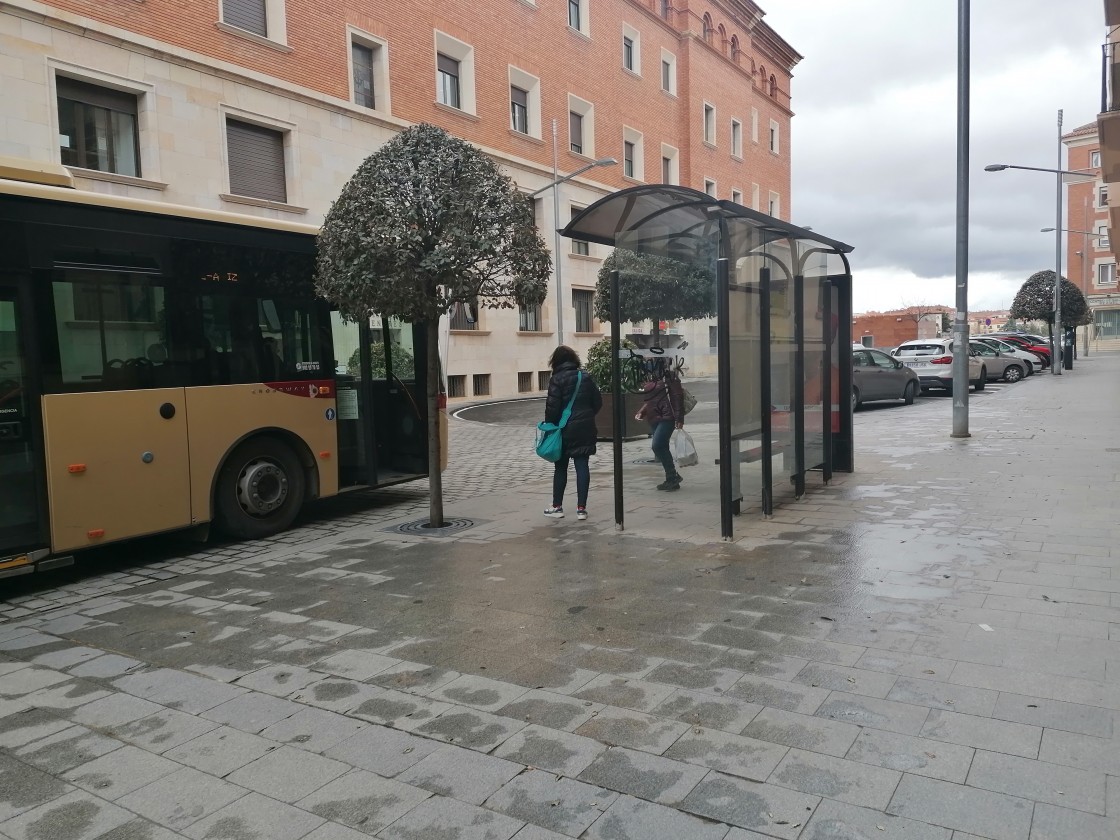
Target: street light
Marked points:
1067	230
1055	343
554	186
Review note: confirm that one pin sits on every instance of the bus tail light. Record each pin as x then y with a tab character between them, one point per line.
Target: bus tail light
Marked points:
95	533
76	468
324	454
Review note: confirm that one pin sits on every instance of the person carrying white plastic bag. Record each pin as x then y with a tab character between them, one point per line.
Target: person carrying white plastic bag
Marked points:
683	449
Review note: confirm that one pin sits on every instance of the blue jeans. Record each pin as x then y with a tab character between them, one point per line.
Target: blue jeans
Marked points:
560	480
662	431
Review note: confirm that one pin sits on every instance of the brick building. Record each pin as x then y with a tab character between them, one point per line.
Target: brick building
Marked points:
1090	261
889	329
267	106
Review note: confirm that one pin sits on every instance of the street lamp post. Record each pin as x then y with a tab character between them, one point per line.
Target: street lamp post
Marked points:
554	186
1055	343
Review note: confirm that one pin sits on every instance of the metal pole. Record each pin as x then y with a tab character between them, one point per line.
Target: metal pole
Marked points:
618	421
1056	337
960	325
556	238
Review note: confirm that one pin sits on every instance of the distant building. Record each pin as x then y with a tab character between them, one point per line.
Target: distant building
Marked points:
889	329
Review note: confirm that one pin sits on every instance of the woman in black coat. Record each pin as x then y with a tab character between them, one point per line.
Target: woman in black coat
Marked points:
579	434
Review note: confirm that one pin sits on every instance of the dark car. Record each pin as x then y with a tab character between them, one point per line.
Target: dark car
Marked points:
1040	350
876	376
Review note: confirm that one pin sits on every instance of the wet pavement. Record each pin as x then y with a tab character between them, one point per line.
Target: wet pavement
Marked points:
927	648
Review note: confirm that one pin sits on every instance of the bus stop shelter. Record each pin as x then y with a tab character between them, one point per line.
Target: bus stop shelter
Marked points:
783	298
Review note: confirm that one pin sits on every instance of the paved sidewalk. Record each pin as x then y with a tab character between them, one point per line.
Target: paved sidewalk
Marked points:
928	648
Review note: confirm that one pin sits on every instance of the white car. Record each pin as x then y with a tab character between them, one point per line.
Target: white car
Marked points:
932	360
1034	364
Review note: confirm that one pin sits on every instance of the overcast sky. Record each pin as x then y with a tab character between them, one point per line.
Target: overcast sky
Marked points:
874	136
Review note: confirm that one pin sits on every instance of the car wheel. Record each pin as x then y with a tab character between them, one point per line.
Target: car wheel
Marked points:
259	491
856	400
982	381
909	392
1013	373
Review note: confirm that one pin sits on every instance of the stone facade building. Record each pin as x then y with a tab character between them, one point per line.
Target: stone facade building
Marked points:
267	107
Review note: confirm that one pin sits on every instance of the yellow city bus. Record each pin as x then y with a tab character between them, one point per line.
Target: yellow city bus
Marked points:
166	367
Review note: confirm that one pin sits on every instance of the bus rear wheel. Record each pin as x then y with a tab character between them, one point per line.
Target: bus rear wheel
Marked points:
260	490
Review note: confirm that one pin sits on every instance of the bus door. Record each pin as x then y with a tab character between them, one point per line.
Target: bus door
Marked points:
381	403
21	516
116	455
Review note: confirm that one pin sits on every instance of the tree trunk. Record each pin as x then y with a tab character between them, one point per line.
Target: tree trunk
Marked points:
435	477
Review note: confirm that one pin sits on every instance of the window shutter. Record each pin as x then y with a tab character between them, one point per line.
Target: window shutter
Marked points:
256	161
246	14
448	65
114	100
575	130
519	97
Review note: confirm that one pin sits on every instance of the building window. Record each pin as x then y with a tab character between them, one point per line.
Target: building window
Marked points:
481	384
256	161
449	92
1102	195
529	319
1094	160
579	246
666	8
581	126
1102	236
519	109
709	123
457	386
627	53
250	15
754	125
97	128
670	165
633	158
737	196
543	378
736	138
710	187
774	207
524	381
464	316
708	32
575	132
582	301
713	337
455	86
577	16
772	87
668	72
631	49
362	58
735	51
775	145
1106	274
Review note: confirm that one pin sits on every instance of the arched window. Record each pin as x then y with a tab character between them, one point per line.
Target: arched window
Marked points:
707	27
722	38
773	91
735	48
666	8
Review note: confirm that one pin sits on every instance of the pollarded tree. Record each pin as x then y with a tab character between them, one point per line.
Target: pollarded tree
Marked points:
428	221
1035	302
654	288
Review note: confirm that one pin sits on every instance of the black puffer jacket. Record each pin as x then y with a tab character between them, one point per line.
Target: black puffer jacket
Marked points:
579	434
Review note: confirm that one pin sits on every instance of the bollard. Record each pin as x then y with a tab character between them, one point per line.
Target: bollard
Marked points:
1067	350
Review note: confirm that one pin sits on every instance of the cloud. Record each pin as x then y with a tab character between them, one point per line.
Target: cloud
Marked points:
874	136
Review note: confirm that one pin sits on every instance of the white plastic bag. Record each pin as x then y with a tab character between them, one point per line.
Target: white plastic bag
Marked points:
683	449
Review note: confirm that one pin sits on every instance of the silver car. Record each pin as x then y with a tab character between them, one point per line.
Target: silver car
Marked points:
1033	362
876	376
997	365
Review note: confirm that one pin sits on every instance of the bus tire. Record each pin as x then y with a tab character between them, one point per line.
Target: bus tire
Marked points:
260	490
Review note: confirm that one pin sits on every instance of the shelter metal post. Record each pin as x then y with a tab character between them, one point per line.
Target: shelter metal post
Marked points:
825	288
723	367
765	394
799	386
619	401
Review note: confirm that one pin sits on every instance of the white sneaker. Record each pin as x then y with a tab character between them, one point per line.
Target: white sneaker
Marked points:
554	512
581	513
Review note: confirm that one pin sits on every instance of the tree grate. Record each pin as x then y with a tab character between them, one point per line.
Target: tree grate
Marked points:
419	527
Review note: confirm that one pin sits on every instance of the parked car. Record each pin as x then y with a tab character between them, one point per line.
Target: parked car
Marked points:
997	365
932	360
1033	362
876	376
1040	350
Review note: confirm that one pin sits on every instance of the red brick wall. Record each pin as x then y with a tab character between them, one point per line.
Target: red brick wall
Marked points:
536	39
1082	213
